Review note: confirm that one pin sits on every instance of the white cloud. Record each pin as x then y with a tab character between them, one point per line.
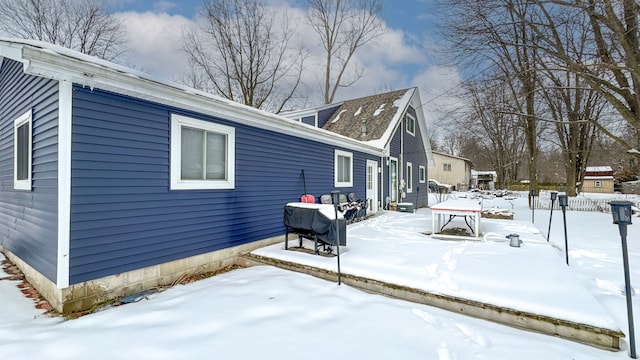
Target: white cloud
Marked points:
439	91
155	42
389	62
393	48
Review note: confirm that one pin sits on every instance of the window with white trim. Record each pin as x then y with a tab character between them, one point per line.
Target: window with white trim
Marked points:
202	154
422	174
22	152
598	183
343	169
446	167
409	177
411	124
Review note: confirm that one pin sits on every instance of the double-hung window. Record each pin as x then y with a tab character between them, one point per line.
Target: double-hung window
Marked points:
343	169
422	174
202	154
411	124
22	152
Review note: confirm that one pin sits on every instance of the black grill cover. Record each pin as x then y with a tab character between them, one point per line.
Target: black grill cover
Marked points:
316	218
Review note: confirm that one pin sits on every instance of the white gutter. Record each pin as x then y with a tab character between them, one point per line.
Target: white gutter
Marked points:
49	64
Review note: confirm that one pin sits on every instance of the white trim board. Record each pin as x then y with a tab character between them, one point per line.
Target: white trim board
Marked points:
65	95
76	68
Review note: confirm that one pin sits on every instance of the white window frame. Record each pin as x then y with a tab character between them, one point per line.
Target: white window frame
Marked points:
409	177
25	119
176	183
394	186
410	118
337	183
597	183
422	174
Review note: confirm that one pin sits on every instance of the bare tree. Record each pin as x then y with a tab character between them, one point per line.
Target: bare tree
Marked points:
82	25
492	34
572	104
343	26
490	113
612	65
569	104
241	51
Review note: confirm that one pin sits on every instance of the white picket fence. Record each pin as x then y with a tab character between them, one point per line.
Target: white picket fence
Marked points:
582	203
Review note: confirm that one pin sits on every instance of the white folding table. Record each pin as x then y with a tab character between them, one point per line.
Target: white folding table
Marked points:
442	213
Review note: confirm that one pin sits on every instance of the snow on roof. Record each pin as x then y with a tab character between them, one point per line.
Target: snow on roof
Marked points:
450	156
604	177
379	110
372	111
338	116
598	168
59	63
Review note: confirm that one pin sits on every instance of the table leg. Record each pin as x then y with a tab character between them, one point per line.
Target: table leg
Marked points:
286	239
433	222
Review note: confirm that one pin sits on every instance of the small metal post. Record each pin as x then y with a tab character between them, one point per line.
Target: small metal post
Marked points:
621	212
335	199
533	193
554	195
563	201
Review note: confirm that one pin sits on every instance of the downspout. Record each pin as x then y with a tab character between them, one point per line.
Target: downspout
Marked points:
381	199
401	193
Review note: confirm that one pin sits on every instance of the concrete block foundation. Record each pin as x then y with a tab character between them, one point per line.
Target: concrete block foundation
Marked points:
84	296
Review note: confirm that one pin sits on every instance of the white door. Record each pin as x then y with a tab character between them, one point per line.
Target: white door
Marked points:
372	186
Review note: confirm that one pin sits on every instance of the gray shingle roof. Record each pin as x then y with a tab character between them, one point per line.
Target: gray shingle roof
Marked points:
376	112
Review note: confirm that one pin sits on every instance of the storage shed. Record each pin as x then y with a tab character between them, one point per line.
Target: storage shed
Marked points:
598	179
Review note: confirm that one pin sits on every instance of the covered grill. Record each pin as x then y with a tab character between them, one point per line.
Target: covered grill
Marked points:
314	222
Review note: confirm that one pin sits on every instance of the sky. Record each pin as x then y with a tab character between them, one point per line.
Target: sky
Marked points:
269	313
403	57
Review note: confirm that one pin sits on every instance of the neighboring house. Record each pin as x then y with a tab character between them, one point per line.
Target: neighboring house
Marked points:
112	182
453	170
393	121
484	180
598	179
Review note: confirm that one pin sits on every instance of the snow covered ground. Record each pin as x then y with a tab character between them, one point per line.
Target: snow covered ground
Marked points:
268	313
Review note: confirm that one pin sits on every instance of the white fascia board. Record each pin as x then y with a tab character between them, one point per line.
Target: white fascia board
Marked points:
387	136
12	51
51	65
65	96
311	111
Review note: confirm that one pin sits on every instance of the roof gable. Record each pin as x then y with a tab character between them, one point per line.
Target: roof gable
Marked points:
370	117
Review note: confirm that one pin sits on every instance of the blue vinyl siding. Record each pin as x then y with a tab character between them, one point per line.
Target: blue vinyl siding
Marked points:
309	120
123	215
414	153
28	219
325	114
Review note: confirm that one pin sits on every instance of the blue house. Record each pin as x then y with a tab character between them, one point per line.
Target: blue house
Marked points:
394	122
112	181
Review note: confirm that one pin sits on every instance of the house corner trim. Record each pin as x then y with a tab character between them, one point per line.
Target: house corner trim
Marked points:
65	94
